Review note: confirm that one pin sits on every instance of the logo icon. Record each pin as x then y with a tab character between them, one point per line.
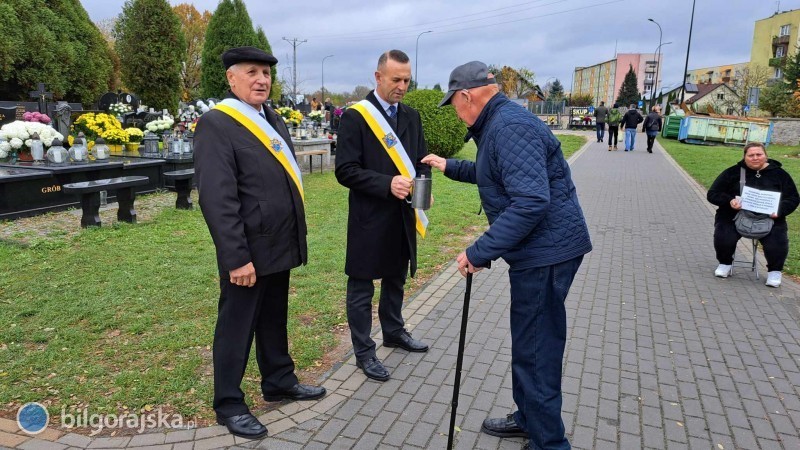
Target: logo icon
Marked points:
390	140
32	418
276	145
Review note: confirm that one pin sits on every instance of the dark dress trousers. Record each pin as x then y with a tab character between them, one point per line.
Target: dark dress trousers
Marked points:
381	230
254	213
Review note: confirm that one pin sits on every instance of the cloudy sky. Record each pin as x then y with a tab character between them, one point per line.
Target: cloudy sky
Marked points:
550	37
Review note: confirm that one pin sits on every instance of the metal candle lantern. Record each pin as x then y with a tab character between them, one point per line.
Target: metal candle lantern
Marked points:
78	152
150	141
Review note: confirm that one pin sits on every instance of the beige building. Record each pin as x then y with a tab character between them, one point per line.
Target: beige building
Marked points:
602	81
729	74
774	40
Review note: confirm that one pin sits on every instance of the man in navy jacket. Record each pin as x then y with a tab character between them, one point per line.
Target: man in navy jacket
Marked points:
537	227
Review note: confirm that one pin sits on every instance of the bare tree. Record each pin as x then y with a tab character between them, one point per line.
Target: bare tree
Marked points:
751	76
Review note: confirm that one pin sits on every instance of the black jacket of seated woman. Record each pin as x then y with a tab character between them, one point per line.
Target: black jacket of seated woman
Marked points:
760	173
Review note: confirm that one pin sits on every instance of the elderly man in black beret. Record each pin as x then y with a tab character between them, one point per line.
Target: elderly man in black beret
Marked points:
251	196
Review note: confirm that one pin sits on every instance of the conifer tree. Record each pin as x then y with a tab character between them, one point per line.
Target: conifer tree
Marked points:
556	91
230	26
55	43
629	92
151	48
263	44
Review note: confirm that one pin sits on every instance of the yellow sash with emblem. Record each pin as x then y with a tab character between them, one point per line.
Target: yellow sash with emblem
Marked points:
383	131
272	140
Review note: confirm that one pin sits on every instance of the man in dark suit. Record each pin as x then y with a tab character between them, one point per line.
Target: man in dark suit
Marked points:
252	200
381	236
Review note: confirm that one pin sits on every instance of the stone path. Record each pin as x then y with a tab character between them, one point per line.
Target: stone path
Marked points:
660	353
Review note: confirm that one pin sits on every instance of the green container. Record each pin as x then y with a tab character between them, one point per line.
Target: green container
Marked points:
672	125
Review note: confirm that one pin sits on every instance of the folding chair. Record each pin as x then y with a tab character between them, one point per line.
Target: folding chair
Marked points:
753	264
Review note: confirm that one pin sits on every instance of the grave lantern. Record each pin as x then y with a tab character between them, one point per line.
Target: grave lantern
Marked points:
101	151
188	142
78	152
57	154
37	148
150	142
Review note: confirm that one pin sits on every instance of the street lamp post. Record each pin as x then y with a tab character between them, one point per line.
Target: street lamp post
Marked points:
658	61
658	64
323	76
688	46
416	57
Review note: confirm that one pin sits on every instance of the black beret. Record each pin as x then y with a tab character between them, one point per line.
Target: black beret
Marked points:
247	54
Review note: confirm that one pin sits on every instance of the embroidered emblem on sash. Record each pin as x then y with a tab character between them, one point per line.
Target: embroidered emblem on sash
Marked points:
390	140
276	145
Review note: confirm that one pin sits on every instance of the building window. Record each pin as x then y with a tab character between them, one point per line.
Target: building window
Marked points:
720	96
780	51
649	76
785	30
778	72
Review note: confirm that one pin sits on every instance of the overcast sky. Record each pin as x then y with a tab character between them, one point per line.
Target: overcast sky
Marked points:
550	37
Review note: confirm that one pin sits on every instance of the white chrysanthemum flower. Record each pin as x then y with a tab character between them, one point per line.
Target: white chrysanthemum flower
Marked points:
5	147
3	153
16	143
29	143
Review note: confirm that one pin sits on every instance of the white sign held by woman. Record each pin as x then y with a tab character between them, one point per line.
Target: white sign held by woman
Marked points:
764	202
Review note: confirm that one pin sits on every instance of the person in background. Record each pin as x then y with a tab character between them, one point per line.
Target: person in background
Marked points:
600	114
614	118
630	121
315	105
651	126
760	173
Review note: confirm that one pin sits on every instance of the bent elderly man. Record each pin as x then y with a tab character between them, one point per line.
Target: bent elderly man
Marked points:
251	196
537	227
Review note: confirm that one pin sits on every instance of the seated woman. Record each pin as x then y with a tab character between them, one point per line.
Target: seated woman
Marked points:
763	174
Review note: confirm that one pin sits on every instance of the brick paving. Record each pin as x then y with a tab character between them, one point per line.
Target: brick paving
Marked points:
660	353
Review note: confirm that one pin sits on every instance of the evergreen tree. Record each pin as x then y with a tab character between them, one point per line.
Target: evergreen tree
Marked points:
263	44
55	43
628	92
230	26
556	91
151	48
791	71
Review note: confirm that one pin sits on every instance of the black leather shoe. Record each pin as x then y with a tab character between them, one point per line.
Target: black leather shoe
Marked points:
373	368
244	425
503	427
406	342
297	392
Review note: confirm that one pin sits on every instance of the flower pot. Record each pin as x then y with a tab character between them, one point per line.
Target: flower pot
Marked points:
24	156
115	149
132	148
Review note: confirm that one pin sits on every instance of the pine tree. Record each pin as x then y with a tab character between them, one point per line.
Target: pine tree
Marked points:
628	92
556	91
151	47
263	44
230	26
55	43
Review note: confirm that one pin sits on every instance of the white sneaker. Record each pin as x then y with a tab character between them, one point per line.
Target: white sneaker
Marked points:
723	271
773	278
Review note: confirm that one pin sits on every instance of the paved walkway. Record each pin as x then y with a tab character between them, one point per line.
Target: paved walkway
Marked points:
660	353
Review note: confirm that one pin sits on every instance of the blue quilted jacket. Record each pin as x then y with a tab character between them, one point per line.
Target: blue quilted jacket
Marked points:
526	190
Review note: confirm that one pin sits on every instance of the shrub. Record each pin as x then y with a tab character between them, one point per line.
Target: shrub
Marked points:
444	132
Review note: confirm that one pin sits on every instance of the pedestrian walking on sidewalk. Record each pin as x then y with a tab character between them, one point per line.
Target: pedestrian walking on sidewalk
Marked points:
630	121
614	118
537	227
652	126
600	114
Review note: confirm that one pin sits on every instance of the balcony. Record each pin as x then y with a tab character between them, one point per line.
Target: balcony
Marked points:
777	62
780	40
726	79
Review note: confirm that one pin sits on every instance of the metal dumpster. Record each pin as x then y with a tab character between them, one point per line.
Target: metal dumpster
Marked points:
707	130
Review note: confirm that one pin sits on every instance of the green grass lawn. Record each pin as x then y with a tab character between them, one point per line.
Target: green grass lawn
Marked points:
705	163
121	318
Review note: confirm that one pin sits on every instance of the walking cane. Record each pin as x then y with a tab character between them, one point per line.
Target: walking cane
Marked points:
459	360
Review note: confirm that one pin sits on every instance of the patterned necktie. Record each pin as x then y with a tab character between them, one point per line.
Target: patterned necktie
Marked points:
393	116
